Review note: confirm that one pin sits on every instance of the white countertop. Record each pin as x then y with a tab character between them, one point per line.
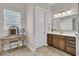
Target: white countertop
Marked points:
64	33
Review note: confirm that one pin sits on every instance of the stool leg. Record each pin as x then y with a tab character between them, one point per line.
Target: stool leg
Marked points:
17	45
10	49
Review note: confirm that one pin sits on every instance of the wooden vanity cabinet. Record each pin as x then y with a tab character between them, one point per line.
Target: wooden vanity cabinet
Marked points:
65	43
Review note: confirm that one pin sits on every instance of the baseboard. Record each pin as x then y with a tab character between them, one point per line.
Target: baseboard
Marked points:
32	49
42	45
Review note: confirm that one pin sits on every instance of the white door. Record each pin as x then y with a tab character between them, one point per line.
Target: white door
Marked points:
39	27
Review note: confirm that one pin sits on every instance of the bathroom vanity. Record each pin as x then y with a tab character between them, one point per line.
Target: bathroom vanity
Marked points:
65	42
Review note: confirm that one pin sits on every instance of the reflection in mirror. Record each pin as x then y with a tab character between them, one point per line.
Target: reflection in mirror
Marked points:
67	24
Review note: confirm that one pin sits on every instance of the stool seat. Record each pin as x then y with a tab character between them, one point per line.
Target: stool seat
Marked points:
14	42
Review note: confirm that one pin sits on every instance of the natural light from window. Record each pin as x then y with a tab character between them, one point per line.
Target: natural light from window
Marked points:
11	18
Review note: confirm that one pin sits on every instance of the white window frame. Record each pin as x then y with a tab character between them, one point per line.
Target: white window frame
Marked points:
13	14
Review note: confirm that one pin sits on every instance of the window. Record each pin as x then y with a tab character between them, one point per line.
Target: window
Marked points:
11	18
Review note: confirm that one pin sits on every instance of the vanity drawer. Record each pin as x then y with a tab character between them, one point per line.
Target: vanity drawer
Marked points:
58	36
71	42
49	43
70	38
71	50
49	39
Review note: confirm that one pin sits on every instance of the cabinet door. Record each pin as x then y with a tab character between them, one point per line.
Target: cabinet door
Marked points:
49	39
61	43
71	50
55	41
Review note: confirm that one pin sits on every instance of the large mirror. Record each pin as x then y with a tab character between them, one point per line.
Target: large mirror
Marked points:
67	23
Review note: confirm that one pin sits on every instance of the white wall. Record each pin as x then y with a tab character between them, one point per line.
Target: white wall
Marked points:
58	7
77	36
31	24
77	44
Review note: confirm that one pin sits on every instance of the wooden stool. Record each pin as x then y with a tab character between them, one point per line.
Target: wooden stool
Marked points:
14	42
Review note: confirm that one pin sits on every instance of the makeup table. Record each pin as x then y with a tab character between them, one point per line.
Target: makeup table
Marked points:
9	38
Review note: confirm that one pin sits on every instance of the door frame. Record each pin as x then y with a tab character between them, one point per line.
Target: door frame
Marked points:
45	34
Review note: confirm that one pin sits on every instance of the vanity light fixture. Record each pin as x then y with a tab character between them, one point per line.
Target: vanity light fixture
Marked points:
62	14
59	15
55	16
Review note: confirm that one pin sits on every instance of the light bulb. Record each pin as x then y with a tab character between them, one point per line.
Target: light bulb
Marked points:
55	16
63	13
68	12
59	14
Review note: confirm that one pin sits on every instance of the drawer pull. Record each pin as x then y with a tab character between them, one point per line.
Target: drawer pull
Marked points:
72	46
70	40
71	43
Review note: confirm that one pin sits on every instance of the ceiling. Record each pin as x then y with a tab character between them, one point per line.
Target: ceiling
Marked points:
51	4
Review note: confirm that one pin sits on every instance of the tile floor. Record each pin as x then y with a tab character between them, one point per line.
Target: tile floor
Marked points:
43	51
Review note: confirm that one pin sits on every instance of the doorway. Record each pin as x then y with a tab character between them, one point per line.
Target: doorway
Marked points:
40	30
